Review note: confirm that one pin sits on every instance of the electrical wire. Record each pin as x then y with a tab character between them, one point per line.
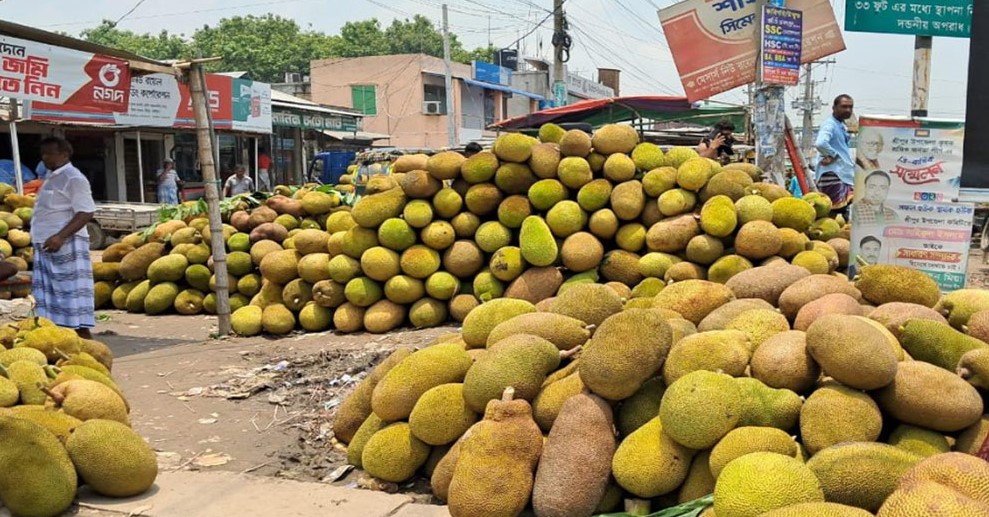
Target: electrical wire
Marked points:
132	9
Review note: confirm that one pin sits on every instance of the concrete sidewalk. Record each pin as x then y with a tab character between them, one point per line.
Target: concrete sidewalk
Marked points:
222	494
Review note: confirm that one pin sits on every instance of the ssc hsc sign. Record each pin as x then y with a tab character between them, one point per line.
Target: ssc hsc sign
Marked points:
782	41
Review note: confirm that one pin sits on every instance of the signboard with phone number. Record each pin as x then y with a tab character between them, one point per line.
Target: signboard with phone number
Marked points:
782	41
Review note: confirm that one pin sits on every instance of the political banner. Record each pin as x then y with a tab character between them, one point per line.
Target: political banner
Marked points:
33	71
715	42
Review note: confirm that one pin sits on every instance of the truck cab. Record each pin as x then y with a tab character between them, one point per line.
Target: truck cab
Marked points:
327	167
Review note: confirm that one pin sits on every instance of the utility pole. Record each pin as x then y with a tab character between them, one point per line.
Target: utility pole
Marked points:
204	137
559	72
809	105
451	123
768	113
921	75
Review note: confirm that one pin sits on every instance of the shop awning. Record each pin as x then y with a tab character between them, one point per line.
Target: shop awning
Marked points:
599	112
362	136
502	88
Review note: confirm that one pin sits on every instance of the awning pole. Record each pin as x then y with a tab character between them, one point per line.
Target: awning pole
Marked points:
15	148
140	166
257	173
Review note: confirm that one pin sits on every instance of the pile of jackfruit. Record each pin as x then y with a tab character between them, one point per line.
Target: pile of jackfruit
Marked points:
63	422
442	234
780	393
15	238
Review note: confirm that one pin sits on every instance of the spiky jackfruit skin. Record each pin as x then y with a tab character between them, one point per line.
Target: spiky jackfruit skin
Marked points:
918	440
648	156
357	407
355	449
514	147
112	459
575	465
861	474
246	321
521	362
482	320
960	305
693	174
930	499
758	325
641	407
763	406
479	168
835	414
699	481
56	422
694	299
793	213
718	216
551	133
538	246
589	303
441	415
962	473
700	408
725	351
924	395
37	478
394	454
395	396
763	481
615	138
28	375
648	463
626	350
494	474
548	403
852	351
937	343
51	340
746	440
9	394
563	331
818	510
883	283
442	475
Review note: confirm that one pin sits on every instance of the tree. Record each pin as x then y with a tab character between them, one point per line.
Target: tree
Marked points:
363	38
161	46
266	46
485	54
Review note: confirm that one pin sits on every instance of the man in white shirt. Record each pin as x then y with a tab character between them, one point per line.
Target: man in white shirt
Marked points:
63	273
239	183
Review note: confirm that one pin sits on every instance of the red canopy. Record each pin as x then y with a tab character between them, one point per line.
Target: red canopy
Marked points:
612	109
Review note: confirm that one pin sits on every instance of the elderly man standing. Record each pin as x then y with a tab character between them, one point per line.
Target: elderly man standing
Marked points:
63	273
239	183
835	168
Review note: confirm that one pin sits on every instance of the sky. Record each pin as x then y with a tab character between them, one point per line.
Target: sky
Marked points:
876	69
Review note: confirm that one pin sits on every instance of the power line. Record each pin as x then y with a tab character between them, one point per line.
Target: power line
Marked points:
132	9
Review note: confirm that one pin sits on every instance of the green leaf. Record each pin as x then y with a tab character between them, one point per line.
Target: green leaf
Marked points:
688	509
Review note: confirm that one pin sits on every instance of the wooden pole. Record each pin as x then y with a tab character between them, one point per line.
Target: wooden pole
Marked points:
140	167
200	107
15	148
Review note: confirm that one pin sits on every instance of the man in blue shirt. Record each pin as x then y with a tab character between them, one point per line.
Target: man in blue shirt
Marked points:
835	167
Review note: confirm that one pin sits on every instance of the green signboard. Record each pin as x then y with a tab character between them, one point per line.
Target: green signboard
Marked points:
315	121
950	18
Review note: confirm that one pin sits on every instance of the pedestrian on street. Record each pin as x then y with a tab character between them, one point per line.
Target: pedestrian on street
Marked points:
264	166
239	183
835	168
62	282
168	183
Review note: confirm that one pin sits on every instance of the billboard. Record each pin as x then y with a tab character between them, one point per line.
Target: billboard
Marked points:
715	42
33	71
782	36
159	100
949	18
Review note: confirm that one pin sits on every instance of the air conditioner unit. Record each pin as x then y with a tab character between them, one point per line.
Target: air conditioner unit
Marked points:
432	107
293	77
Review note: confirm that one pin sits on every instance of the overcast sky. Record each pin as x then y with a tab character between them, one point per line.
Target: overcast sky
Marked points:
625	34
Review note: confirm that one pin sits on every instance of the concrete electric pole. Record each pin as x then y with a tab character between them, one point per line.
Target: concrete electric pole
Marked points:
809	104
451	118
559	48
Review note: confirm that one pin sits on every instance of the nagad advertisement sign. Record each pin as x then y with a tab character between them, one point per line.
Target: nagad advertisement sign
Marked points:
929	237
159	100
33	71
715	42
917	160
947	18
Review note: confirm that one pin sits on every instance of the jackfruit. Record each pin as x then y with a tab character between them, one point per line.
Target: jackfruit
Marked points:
52	341
860	474
923	497
535	284
514	147
486	287
700	408
671	235
96	444
383	316
395	395
676	201
961	473
589	303
512	211
835	303
545	193
87	400
575	143
581	251
810	288
603	224
538	246
883	283
958	306
746	440
693	299
619	167
419	184
545	160
419	261
547	404
763	406
246	321
480	167
348	318
648	463
445	165
574	172
793	213
461	305
134	265
852	351
551	133
575	465
495	468
917	440
363	292
315	318
782	361
393	454
930	397
895	315
521	362
723	351
763	481
39	479
514	178
835	414
625	351
937	343
693	174
628	200
418	213
280	267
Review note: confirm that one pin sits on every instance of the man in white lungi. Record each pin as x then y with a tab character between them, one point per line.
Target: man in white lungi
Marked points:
63	273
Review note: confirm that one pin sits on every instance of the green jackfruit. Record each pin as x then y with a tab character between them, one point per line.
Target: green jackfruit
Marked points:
538	246
521	362
396	394
700	408
394	454
595	195
793	213
693	174
52	341
648	156
861	474
619	167
718	217
96	444
545	160
563	331
641	407
355	450
960	305
615	138
648	463
27	375
574	172
700	481
161	298
566	218
514	147
514	178
548	403
441	415
628	200
545	193
720	350
671	235
694	299
763	406
835	414
918	440
937	343
551	133
134	266
479	168
590	303
882	283
763	481
677	201
746	440
277	319
39	479
924	395
575	143
852	351
87	400
494	473
782	361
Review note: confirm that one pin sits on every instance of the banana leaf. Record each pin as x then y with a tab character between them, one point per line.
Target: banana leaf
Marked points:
688	509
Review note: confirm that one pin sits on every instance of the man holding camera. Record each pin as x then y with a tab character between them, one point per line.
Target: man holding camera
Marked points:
717	145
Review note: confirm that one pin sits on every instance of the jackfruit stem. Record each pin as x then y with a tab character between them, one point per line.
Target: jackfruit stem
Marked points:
62	354
508	395
3	371
964	373
58	399
860	260
637	506
567	354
